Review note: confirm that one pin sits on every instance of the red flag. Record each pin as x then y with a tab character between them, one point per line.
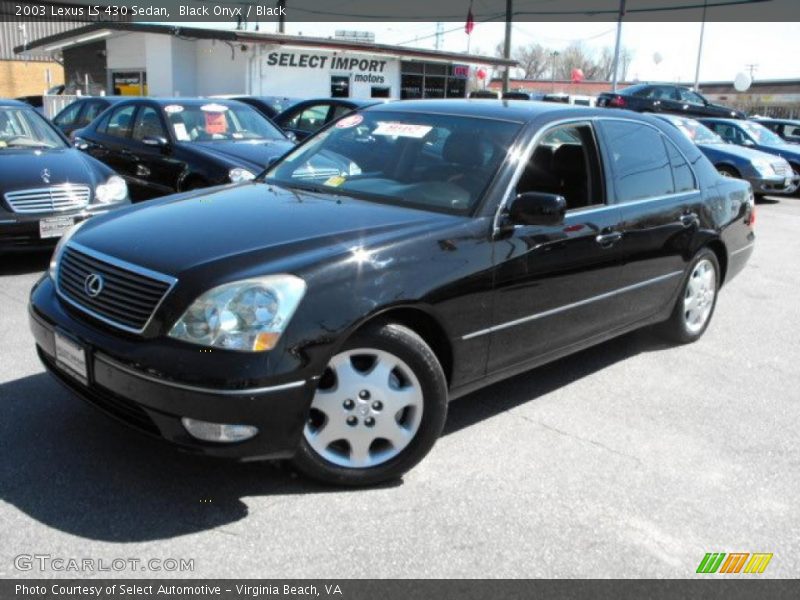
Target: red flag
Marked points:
470	24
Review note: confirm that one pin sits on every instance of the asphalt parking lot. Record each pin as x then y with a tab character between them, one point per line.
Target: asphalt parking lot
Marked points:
631	459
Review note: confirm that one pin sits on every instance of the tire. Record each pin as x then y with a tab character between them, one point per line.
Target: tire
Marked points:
796	169
385	380
727	171
700	290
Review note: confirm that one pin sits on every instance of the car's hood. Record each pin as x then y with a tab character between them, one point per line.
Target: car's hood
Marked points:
27	169
787	151
246	224
748	154
254	154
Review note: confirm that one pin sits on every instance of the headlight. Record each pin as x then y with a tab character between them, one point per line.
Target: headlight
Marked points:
763	166
113	190
248	315
60	248
238	175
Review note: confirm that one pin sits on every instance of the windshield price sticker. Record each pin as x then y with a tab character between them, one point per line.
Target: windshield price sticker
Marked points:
217	108
350	121
173	108
335	181
402	129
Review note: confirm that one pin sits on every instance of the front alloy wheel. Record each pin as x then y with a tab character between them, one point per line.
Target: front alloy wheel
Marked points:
379	407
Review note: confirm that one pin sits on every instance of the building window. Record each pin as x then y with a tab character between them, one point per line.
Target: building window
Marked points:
340	86
431	80
380	92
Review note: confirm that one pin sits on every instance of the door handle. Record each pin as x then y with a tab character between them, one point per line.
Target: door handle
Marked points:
606	240
688	219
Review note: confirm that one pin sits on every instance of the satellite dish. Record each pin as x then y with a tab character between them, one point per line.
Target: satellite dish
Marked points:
742	82
657	58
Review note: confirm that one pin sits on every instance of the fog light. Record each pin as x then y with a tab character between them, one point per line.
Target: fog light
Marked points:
218	432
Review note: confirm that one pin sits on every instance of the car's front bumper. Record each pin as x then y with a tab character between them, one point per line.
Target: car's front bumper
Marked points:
155	405
774	185
21	231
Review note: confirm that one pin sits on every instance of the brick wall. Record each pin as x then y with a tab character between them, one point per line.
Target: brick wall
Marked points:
20	78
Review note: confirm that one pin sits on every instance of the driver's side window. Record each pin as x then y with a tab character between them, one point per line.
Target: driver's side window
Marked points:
565	162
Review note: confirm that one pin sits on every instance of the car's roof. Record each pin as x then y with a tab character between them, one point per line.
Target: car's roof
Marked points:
776	120
8	103
186	101
720	119
509	110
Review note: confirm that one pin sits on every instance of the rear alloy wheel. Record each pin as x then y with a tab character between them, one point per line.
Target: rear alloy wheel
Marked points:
695	305
379	407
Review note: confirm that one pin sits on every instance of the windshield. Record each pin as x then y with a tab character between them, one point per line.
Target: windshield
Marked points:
216	121
433	162
696	131
760	134
24	128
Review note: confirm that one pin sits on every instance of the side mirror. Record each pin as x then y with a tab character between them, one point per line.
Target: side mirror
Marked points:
747	143
291	136
537	208
155	141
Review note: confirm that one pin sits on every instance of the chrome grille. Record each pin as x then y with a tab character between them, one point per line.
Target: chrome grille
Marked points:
50	199
129	294
781	169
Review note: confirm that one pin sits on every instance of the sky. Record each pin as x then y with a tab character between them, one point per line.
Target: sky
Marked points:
727	49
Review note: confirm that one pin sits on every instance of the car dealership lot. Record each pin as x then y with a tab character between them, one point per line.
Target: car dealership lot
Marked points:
631	459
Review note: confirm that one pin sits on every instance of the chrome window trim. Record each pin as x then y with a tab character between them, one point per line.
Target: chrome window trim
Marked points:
122	265
198	389
570	306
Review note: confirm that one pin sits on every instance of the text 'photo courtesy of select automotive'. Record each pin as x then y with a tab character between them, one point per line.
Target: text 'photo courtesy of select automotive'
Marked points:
354	299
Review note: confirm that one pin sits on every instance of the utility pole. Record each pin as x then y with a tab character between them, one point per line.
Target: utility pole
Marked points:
700	47
753	67
616	46
507	46
553	56
281	18
440	35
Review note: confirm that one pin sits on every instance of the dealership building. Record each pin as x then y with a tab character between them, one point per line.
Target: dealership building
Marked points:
166	60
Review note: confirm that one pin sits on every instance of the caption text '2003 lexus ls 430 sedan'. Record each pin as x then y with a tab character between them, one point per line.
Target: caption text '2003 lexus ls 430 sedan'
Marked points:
330	320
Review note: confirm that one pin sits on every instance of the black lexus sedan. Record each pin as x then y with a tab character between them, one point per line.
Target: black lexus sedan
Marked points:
161	146
660	97
80	113
331	319
46	186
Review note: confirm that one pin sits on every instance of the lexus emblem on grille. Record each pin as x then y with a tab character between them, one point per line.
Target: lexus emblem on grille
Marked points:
93	284
46	175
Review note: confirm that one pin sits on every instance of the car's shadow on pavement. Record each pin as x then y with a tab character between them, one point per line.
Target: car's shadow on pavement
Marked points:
20	263
71	468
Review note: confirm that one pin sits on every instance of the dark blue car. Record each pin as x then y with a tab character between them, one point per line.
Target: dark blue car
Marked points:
766	173
755	136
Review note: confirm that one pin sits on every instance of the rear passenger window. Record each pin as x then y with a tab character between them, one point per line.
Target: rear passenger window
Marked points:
682	175
68	115
91	111
638	160
121	121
